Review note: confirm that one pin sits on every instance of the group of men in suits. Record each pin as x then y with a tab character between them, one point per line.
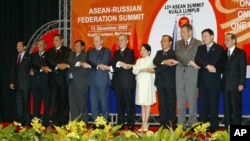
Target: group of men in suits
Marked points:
123	80
62	78
193	70
198	74
45	73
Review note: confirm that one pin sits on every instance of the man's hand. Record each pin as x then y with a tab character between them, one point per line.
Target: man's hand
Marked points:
103	67
170	62
12	86
211	68
240	88
62	66
194	65
84	65
125	66
32	72
46	69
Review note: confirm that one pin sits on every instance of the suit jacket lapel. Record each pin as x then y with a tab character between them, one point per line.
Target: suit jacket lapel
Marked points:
234	53
191	43
24	57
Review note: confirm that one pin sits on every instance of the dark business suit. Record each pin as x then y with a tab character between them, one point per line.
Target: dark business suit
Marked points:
21	79
58	85
165	83
78	86
234	74
209	83
186	80
40	86
99	82
123	82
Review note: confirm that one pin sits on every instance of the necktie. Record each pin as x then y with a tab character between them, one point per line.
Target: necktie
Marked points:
121	53
164	52
208	48
19	61
186	44
228	54
57	50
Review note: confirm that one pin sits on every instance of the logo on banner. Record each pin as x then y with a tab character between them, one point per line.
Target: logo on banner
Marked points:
239	132
183	20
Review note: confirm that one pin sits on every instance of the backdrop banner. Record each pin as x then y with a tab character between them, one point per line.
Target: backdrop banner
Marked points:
146	21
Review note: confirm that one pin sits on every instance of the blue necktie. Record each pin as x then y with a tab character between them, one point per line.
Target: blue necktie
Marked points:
208	48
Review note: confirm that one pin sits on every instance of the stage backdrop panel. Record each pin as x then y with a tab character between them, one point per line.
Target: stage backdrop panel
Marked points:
146	21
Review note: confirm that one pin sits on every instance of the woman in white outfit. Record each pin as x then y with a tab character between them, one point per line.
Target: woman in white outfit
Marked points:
145	89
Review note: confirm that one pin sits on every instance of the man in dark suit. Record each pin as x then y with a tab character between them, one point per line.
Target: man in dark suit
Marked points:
209	57
58	62
78	82
186	75
40	77
123	81
99	81
165	82
233	80
20	82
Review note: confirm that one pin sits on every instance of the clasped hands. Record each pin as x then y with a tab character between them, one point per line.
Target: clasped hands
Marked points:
194	65
103	67
46	69
125	66
211	68
62	66
82	64
122	64
170	62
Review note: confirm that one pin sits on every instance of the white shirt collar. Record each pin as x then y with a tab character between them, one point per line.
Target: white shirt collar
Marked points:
21	53
41	53
122	49
231	50
99	48
188	40
210	45
166	49
58	47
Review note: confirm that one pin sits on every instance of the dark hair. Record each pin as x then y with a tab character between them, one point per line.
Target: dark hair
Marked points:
188	26
23	42
81	42
58	35
233	37
146	46
169	37
208	30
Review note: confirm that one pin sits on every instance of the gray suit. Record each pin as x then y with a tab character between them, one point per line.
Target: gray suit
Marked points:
99	82
78	87
186	80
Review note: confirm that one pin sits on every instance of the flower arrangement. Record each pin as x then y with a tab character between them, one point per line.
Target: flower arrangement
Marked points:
101	130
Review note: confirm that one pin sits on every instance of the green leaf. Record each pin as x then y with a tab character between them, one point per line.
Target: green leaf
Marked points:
9	130
115	129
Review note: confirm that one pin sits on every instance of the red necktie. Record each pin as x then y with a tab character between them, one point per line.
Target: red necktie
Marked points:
186	44
19	61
